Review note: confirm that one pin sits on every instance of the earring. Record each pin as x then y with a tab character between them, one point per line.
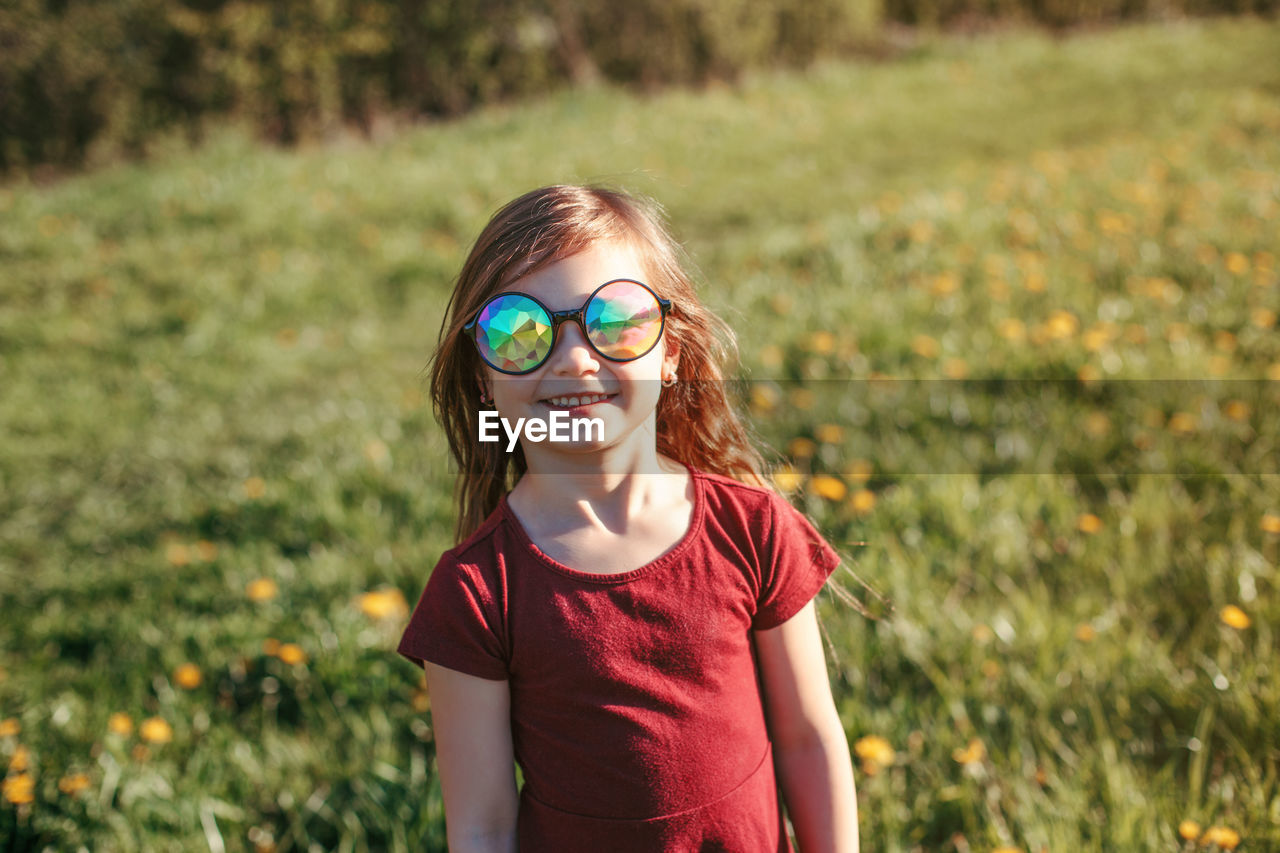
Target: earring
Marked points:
671	380
485	400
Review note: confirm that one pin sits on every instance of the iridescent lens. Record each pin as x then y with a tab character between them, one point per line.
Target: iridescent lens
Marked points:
623	320
513	333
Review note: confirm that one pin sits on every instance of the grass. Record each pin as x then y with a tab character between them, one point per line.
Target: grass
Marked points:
1064	252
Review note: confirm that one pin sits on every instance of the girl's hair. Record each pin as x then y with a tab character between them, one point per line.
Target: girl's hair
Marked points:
696	422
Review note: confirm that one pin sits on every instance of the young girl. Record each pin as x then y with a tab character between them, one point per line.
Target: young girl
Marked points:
628	615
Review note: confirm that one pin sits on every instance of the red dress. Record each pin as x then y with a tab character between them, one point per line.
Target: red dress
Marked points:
636	713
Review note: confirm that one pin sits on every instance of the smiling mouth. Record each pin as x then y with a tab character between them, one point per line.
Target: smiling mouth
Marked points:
573	401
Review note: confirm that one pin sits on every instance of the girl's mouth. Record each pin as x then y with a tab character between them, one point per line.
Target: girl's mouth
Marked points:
576	401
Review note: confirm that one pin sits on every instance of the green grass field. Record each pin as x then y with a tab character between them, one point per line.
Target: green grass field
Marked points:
1055	261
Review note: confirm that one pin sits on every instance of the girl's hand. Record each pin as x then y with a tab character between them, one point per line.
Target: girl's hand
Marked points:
810	748
471	718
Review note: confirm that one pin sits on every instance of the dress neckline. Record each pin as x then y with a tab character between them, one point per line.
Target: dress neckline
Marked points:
669	556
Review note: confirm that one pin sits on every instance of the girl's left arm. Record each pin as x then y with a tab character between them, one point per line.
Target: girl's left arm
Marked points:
810	747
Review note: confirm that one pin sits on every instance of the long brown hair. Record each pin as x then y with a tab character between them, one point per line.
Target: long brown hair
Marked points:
696	420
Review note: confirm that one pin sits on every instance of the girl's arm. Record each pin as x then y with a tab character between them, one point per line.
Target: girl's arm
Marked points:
810	748
472	721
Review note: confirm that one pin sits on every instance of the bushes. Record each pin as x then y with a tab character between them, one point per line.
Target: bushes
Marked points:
87	81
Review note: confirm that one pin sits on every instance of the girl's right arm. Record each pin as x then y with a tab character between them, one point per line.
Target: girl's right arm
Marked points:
472	721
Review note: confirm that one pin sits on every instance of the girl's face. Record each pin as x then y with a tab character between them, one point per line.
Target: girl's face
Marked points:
624	395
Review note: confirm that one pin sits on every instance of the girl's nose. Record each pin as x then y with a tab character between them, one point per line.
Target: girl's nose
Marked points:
573	355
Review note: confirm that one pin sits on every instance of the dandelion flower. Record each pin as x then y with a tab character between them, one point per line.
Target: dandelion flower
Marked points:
831	488
1088	523
177	554
1235	617
1007	850
876	753
822	342
1189	829
254	488
1237	410
801	447
1085	632
206	551
829	433
384	604
262	589
1225	838
1270	523
292	654
10	727
120	723
863	501
73	784
156	730
858	471
20	790
971	754
924	346
188	676
788	479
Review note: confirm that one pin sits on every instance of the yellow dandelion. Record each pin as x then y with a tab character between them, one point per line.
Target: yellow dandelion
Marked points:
1085	632
1012	329
990	669
1088	523
826	486
386	603
1182	423
1135	333
21	760
120	723
1225	341
1235	617
73	783
1273	372
1263	318
19	790
1189	829
261	589
802	399
254	488
188	676
822	342
1088	373
801	447
955	368
829	433
1034	281
177	554
863	501
924	346
206	551
292	654
787	479
1061	325
1237	263
1237	410
1227	839
764	398
10	727
1270	523
875	753
973	753
983	633
1097	424
858	471
155	730
921	231
944	284
1007	850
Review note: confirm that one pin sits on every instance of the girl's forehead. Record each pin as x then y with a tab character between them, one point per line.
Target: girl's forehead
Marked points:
571	280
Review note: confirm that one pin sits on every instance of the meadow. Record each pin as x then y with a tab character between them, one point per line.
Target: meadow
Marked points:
1007	313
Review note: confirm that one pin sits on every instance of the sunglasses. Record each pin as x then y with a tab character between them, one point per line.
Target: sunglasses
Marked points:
622	320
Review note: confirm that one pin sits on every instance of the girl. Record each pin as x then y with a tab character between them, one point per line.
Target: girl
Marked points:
628	615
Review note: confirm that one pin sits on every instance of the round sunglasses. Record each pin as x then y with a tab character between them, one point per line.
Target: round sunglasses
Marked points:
622	320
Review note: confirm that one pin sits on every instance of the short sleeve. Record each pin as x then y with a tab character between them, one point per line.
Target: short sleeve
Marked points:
457	623
800	561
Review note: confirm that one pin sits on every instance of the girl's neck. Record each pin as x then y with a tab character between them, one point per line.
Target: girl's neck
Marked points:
596	489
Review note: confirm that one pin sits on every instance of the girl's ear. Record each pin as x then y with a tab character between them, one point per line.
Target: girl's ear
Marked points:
670	357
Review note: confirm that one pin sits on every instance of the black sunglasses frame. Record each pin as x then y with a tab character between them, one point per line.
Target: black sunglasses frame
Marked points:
577	315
